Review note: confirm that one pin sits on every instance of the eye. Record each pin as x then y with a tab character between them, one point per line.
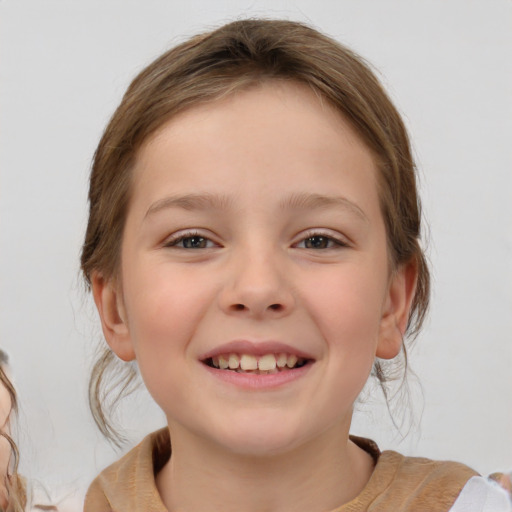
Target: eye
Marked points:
320	241
190	241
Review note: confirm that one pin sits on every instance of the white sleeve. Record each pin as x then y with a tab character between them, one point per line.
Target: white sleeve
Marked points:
482	495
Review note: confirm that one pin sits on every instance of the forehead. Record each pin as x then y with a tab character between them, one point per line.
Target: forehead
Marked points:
272	138
240	121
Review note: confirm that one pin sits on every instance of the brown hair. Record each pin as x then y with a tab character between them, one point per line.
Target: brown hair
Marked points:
215	64
14	483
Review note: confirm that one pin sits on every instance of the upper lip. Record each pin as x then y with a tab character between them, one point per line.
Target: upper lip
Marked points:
255	348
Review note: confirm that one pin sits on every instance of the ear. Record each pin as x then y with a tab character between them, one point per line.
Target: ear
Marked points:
110	307
402	286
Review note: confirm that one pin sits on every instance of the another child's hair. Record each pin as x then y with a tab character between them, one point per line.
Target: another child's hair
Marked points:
234	57
14	484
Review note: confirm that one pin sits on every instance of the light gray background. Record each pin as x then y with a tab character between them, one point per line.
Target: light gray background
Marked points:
447	63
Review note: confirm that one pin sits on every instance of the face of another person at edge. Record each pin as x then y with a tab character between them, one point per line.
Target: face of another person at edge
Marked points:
255	232
5	447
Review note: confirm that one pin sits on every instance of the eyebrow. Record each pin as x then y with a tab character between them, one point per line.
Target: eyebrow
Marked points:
190	202
319	201
220	202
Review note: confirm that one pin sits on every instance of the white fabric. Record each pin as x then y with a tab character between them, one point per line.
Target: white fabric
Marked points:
482	495
64	498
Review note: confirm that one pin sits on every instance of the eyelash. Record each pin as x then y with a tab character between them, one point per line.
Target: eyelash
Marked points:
332	241
176	240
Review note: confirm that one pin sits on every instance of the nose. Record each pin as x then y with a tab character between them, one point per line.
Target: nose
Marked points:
257	286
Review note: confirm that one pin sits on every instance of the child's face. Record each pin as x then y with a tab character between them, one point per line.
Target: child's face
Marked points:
254	229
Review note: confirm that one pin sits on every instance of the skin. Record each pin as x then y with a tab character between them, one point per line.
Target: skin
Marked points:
5	448
264	273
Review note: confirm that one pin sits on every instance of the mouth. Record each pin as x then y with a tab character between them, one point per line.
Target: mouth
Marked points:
265	364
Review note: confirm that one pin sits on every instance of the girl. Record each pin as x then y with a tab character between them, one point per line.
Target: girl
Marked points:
15	494
253	243
12	486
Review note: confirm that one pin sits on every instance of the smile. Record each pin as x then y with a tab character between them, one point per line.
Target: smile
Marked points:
259	365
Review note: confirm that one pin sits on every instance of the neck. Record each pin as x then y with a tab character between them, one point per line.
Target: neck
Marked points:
317	476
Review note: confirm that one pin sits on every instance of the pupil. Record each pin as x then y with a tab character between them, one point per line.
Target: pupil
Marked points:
317	242
194	242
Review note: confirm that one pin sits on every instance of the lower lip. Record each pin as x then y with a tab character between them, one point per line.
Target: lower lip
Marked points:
253	381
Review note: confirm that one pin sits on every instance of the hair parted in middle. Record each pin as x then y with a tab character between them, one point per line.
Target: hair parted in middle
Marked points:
234	57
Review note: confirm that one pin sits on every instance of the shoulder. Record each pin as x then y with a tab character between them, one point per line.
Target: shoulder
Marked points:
415	484
428	484
408	484
129	483
414	470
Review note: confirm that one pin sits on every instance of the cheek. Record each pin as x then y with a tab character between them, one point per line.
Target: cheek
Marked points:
5	454
348	306
159	326
163	307
5	405
347	310
161	302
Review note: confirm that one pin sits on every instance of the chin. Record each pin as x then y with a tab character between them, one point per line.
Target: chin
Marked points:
260	438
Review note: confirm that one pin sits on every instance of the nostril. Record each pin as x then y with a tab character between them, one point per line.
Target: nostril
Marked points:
243	307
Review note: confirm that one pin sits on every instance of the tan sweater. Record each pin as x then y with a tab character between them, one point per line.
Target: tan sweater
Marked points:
398	483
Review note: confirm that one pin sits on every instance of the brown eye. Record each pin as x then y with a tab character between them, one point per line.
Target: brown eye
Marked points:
191	241
322	240
194	242
319	242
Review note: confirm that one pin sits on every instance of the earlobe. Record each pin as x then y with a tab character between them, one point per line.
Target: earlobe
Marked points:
110	307
402	288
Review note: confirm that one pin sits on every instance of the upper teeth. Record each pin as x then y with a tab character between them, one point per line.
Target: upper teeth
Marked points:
266	362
